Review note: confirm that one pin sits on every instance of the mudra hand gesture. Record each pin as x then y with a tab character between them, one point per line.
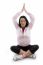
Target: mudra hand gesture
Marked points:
23	9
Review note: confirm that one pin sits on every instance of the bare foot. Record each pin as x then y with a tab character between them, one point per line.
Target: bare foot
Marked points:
25	53
29	53
21	52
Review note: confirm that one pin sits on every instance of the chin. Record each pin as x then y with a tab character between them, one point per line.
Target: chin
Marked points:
23	26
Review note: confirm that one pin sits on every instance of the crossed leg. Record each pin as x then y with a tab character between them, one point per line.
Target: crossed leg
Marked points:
32	49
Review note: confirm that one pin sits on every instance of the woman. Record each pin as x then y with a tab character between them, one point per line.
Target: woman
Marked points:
23	31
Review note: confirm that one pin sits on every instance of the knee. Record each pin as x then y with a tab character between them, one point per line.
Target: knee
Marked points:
37	47
11	48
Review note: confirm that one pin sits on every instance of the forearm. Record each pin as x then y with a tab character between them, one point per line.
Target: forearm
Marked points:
14	19
31	20
30	15
16	16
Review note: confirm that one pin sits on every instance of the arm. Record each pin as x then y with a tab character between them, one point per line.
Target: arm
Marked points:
32	20
16	16
14	19
31	17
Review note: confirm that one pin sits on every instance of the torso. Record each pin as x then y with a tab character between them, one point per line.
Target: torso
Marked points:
23	36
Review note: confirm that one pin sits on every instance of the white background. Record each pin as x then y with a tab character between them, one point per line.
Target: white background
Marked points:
8	36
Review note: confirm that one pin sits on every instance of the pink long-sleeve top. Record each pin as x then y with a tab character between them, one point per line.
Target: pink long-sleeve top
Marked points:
23	36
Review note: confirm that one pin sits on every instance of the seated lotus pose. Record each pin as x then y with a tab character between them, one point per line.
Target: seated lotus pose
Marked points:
24	49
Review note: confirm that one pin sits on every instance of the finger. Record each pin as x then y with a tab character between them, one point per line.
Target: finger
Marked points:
24	6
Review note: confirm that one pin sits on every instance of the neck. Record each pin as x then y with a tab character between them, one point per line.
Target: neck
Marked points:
23	29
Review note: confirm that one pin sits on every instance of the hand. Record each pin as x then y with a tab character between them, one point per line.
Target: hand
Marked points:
23	8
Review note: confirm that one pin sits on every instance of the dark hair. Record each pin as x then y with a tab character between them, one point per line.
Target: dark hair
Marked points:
27	23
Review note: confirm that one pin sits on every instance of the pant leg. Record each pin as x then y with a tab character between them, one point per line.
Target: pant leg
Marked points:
33	48
15	49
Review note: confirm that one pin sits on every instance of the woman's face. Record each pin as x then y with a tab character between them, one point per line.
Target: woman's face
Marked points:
22	22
